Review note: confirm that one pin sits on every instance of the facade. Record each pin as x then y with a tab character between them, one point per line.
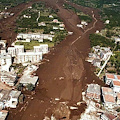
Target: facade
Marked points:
5	62
34	36
29	57
93	92
116	85
42	48
12	51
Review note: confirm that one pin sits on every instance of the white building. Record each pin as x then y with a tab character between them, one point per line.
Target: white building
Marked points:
5	62
116	85
13	51
27	77
8	78
3	43
29	57
35	36
42	48
3	114
13	99
19	49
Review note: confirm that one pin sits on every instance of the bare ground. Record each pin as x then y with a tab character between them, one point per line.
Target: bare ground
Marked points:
65	75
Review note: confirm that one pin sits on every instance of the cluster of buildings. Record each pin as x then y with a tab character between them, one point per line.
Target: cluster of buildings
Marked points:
25	37
82	25
98	55
109	97
5	14
9	96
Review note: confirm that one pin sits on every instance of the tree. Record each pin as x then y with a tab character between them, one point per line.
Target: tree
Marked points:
20	86
30	87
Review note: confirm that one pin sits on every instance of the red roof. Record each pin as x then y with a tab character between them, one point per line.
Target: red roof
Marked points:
116	83
110	76
110	116
109	98
118	77
107	90
118	96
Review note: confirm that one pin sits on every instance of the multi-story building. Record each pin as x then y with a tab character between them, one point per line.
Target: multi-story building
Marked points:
29	57
5	62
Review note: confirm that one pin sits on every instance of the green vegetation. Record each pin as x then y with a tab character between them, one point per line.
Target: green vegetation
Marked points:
31	24
80	14
30	87
10	3
29	45
115	62
21	98
96	39
19	68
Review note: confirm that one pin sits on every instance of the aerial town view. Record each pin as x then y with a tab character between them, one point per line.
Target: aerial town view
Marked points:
59	59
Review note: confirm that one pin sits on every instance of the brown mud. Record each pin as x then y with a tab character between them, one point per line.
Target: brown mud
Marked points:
65	73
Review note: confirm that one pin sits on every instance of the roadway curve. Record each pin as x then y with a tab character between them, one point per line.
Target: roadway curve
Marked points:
64	74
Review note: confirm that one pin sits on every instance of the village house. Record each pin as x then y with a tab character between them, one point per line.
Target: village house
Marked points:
5	62
108	98
115	84
13	99
110	77
9	98
105	54
96	62
3	97
93	92
107	116
27	77
8	78
3	114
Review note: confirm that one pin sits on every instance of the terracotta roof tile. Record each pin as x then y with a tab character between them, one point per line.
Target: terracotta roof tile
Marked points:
107	90
109	98
116	83
110	76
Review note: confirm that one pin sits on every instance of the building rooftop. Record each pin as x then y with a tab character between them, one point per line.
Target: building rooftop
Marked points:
118	96
93	88
107	90
118	77
110	76
3	114
15	93
109	98
110	116
116	83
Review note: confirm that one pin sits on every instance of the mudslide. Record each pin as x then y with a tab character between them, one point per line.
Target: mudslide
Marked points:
64	74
